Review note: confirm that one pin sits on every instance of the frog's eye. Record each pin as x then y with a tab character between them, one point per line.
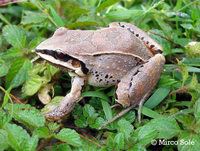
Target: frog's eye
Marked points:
59	55
76	64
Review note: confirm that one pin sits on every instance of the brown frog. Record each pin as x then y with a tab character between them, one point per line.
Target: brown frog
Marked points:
120	55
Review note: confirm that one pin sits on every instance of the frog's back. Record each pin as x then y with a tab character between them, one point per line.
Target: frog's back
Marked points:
115	40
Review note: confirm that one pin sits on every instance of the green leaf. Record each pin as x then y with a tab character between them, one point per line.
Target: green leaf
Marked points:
33	18
36	41
53	127
125	14
87	146
106	4
157	97
14	52
119	139
98	122
69	136
52	105
56	17
63	147
43	93
4	144
18	72
167	127
148	112
17	136
187	26
52	69
4	119
42	132
33	118
82	24
33	85
3	68
166	81
37	69
189	141
78	110
194	82
125	127
31	144
15	36
89	112
81	121
26	115
107	111
137	147
6	97
164	26
5	64
184	71
193	49
145	134
186	120
189	60
129	116
197	110
96	94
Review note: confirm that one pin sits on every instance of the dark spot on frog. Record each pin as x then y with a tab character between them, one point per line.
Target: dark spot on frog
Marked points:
147	42
100	80
142	38
106	76
121	25
137	35
116	96
130	84
129	96
152	46
110	77
159	51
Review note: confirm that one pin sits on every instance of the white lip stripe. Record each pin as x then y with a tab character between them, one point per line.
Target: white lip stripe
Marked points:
51	59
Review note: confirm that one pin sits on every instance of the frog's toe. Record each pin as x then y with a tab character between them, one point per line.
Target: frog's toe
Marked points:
54	116
57	114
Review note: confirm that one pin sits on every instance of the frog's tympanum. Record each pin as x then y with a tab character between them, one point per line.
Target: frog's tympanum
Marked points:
120	55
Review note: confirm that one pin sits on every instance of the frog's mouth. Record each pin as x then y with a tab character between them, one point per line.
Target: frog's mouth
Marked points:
62	61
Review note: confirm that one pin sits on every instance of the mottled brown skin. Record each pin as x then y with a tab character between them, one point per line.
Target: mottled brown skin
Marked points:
139	81
120	55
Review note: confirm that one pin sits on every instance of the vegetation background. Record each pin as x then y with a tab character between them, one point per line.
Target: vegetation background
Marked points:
171	116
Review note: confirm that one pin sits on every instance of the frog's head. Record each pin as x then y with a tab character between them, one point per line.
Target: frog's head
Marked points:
51	50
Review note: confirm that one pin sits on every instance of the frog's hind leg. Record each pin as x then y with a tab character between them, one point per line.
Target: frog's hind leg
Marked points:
136	86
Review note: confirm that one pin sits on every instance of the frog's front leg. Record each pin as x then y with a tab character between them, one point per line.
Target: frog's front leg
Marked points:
134	88
67	103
